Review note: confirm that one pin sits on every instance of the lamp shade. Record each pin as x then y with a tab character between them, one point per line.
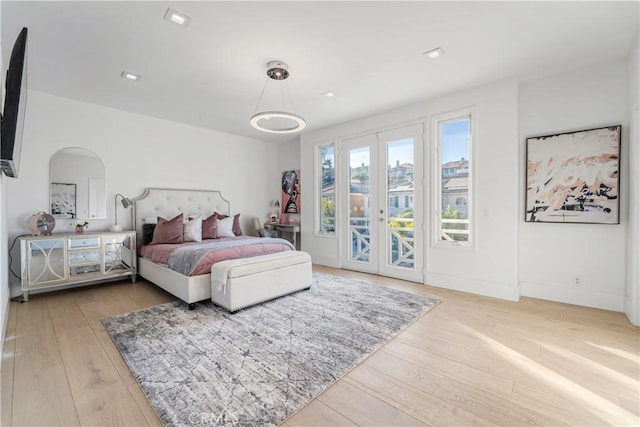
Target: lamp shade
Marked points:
127	203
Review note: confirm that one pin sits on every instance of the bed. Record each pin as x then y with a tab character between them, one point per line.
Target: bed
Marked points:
243	275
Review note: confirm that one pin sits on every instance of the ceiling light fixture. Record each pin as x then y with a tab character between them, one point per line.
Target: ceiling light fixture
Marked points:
328	94
177	18
130	76
277	121
434	53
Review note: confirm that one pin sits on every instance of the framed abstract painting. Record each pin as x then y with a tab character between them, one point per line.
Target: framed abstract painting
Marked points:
63	200
574	177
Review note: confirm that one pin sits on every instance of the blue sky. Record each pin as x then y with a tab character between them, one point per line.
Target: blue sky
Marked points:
455	140
455	145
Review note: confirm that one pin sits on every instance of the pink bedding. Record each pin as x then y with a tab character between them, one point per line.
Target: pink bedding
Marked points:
160	253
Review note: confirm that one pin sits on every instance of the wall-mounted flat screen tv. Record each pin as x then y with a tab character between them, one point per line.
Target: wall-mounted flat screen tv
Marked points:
14	107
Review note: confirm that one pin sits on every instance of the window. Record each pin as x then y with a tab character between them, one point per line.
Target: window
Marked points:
453	139
327	180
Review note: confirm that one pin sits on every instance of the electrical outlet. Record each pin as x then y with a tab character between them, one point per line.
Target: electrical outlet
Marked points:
578	280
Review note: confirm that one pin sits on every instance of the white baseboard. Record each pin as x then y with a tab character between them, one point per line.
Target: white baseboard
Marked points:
479	287
326	261
15	289
573	295
633	313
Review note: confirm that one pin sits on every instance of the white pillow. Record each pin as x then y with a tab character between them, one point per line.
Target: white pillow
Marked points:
192	230
225	227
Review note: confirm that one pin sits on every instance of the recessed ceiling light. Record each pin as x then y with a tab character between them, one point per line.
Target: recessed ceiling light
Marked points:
328	94
177	18
130	76
434	53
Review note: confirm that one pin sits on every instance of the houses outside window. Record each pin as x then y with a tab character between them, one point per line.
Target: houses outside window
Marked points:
453	140
327	182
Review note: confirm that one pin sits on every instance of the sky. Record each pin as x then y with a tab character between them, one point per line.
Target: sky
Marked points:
455	145
455	140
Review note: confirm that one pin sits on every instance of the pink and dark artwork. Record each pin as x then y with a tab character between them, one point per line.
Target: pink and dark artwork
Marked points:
574	177
290	192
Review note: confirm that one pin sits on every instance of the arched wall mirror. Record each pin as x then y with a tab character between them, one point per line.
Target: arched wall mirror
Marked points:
77	185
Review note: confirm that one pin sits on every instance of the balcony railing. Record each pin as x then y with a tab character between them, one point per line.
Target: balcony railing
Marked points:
359	231
327	224
400	240
455	230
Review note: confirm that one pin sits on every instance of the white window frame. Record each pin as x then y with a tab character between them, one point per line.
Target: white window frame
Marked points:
408	200
317	203
436	121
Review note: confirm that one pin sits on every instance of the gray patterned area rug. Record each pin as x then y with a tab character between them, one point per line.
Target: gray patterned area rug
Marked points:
261	364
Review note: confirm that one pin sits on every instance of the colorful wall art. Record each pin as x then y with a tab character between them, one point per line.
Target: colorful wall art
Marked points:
573	177
290	192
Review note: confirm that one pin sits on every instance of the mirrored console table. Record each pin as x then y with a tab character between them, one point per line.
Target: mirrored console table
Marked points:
292	230
59	260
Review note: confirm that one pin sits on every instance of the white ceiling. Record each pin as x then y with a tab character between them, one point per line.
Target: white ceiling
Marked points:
368	53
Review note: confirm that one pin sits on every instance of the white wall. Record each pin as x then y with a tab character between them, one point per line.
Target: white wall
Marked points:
4	273
632	285
138	152
511	257
551	254
4	276
289	155
4	260
4	270
490	267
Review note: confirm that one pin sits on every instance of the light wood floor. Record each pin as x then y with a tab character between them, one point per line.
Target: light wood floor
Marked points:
470	361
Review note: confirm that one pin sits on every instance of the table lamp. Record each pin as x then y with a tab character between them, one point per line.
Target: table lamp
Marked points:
127	203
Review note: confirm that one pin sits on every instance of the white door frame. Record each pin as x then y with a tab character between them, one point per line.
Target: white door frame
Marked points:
379	233
345	230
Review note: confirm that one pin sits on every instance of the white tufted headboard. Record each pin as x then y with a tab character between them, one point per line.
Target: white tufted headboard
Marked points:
169	202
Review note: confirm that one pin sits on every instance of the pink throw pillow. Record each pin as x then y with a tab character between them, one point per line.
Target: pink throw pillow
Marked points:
168	231
210	227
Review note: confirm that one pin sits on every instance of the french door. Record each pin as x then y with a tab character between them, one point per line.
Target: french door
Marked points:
381	195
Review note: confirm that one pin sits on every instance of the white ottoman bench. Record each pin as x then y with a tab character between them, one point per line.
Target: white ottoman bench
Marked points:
240	283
